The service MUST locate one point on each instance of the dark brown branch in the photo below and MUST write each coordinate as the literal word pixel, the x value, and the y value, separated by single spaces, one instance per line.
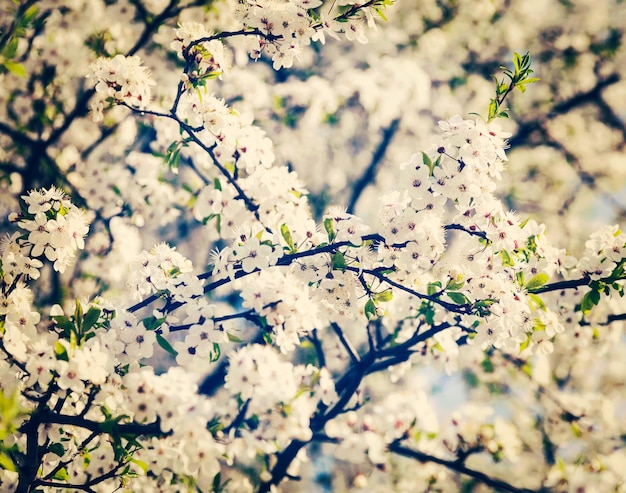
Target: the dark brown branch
pixel 526 129
pixel 459 467
pixel 353 353
pixel 369 175
pixel 560 285
pixel 452 307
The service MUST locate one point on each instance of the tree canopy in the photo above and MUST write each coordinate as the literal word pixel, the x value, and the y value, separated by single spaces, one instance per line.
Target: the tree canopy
pixel 312 245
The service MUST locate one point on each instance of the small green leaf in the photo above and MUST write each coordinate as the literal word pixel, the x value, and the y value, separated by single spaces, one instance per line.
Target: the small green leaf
pixel 384 296
pixel 370 310
pixel 591 299
pixel 6 463
pixel 537 281
pixel 91 317
pixel 338 261
pixel 487 365
pixel 61 352
pixel 16 68
pixel 78 315
pixel 538 302
pixel 61 475
pixel 216 353
pixel 428 162
pixel 65 324
pixel 330 230
pixel 217 480
pixel 524 344
pixel 455 284
pixel 380 14
pixel 458 298
pixel 286 234
pixel 493 109
pixel 152 323
pixel 165 344
pixel 57 449
pixel 233 338
pixel 142 465
pixel 433 288
pixel 507 260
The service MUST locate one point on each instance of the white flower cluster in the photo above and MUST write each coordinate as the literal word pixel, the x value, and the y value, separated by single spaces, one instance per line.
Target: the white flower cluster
pixel 291 314
pixel 248 253
pixel 398 415
pixel 123 80
pixel 287 27
pixel 164 269
pixel 144 192
pixel 283 394
pixel 462 166
pixel 211 58
pixel 604 251
pixel 238 141
pixel 55 229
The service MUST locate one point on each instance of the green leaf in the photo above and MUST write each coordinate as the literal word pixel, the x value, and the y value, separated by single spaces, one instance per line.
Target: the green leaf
pixel 384 296
pixel 380 14
pixel 30 14
pixel 152 323
pixel 493 109
pixel 330 230
pixel 487 365
pixel 370 310
pixel 428 162
pixel 537 281
pixel 507 260
pixel 11 47
pixel 91 317
pixel 591 299
pixel 458 298
pixel 164 343
pixel 217 479
pixel 455 284
pixel 516 61
pixel 142 465
pixel 233 338
pixel 286 234
pixel 216 353
pixel 16 68
pixel 78 314
pixel 57 449
pixel 434 288
pixel 537 301
pixel 6 463
pixel 338 261
pixel 61 475
pixel 65 324
pixel 61 352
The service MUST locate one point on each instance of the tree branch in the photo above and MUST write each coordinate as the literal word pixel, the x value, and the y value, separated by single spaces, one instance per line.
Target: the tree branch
pixel 458 467
pixel 369 175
